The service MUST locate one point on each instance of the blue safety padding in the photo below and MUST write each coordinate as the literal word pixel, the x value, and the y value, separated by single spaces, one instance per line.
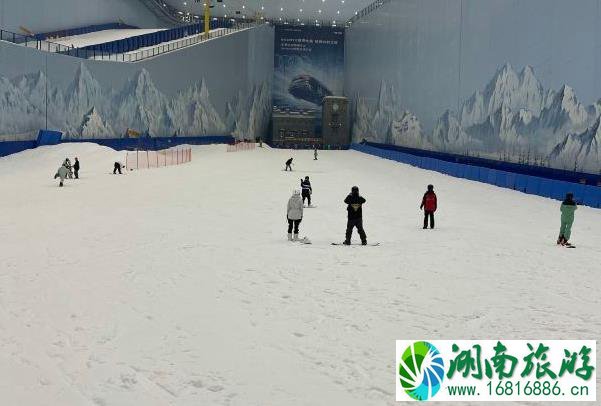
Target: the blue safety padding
pixel 47 137
pixel 483 175
pixel 592 196
pixel 545 188
pixel 492 176
pixel 520 182
pixel 532 185
pixel 579 192
pixel 501 179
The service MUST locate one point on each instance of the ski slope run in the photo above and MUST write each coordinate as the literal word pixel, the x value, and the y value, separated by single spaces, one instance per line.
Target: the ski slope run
pixel 177 286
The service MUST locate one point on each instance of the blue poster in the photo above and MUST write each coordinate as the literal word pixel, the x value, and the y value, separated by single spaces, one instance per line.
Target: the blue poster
pixel 309 65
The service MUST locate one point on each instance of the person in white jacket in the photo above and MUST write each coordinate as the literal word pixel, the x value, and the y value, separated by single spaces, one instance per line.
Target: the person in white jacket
pixel 294 213
pixel 62 173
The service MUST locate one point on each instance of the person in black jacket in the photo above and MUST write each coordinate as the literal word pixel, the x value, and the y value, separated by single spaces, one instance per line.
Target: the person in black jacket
pixel 289 164
pixel 355 216
pixel 76 168
pixel 307 190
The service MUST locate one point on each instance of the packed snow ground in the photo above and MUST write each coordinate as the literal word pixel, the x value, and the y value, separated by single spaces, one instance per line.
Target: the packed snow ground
pixel 100 37
pixel 176 286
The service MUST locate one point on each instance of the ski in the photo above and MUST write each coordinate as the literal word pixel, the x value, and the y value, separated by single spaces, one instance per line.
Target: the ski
pixel 375 244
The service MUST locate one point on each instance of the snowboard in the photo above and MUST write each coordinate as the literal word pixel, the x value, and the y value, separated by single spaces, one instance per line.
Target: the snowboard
pixel 303 240
pixel 375 244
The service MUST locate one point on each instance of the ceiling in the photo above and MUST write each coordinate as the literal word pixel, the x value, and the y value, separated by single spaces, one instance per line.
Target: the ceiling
pixel 301 10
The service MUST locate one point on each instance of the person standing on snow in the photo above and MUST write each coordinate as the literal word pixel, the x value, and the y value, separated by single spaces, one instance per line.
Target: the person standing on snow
pixel 429 204
pixel 289 165
pixel 62 173
pixel 307 190
pixel 117 168
pixel 568 207
pixel 294 214
pixel 76 168
pixel 355 216
pixel 67 164
pixel 315 154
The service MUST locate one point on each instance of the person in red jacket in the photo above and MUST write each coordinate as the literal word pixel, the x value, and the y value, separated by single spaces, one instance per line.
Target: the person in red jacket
pixel 429 205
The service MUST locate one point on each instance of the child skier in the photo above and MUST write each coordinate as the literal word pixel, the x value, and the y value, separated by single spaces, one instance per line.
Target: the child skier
pixel 117 168
pixel 568 207
pixel 289 165
pixel 62 173
pixel 67 164
pixel 355 216
pixel 294 214
pixel 429 204
pixel 76 168
pixel 307 190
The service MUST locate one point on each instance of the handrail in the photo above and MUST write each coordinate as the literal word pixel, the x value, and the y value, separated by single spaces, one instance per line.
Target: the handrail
pixel 130 57
pixel 366 11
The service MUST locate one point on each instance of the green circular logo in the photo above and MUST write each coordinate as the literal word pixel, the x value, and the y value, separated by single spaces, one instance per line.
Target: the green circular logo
pixel 421 370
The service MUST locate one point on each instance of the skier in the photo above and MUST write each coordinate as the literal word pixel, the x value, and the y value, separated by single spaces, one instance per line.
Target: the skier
pixel 355 216
pixel 307 190
pixel 568 207
pixel 76 168
pixel 67 165
pixel 315 154
pixel 294 214
pixel 289 165
pixel 429 204
pixel 62 173
pixel 117 168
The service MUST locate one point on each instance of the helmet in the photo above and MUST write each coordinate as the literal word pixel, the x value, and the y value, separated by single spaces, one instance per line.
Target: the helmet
pixel 355 189
pixel 306 178
pixel 430 187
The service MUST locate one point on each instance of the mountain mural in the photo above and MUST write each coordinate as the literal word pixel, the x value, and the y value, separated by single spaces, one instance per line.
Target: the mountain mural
pixel 86 109
pixel 512 117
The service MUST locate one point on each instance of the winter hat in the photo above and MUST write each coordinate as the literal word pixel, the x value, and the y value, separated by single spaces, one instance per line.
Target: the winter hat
pixel 296 192
pixel 355 189
pixel 430 187
pixel 569 196
pixel 306 178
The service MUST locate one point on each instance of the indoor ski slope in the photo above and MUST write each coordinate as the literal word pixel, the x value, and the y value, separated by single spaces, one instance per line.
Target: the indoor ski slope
pixel 176 286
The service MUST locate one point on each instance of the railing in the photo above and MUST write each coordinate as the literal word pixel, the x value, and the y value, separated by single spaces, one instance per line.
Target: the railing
pixel 83 30
pixel 157 159
pixel 366 11
pixel 120 54
pixel 241 146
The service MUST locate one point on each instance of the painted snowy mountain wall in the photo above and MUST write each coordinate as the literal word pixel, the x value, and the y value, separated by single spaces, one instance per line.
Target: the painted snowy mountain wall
pixel 86 109
pixel 513 116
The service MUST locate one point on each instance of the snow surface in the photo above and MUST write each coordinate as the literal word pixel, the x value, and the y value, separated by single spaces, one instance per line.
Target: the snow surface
pixel 176 286
pixel 100 37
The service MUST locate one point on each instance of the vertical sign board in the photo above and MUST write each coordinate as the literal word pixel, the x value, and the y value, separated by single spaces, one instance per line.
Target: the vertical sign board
pixel 309 65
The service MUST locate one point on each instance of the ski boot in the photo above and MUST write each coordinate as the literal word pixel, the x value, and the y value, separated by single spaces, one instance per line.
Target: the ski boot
pixel 289 236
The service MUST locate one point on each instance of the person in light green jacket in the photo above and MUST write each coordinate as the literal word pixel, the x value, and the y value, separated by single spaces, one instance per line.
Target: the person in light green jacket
pixel 568 207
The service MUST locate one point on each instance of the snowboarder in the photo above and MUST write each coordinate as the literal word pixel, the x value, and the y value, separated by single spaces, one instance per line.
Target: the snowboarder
pixel 67 164
pixel 289 165
pixel 62 173
pixel 117 168
pixel 355 216
pixel 307 190
pixel 76 168
pixel 294 214
pixel 568 207
pixel 429 204
pixel 315 154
